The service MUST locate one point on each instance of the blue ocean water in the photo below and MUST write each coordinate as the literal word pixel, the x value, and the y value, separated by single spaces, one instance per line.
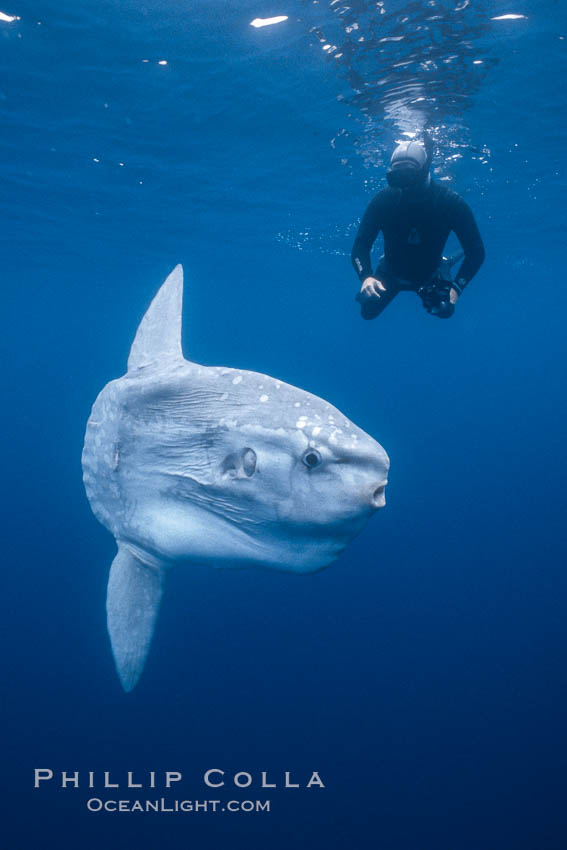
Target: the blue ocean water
pixel 423 675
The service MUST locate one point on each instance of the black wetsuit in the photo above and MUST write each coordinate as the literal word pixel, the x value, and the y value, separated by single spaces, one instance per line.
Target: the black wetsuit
pixel 416 225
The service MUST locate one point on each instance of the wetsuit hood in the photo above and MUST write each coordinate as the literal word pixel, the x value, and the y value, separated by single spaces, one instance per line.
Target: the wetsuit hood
pixel 409 166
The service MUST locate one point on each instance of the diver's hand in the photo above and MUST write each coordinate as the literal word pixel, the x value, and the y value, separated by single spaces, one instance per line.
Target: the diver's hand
pixel 453 295
pixel 372 287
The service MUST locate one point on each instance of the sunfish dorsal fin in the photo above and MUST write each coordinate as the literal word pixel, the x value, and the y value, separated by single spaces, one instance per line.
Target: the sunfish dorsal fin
pixel 158 338
pixel 132 605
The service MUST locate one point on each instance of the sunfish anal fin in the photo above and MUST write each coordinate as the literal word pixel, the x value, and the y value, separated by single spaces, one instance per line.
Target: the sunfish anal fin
pixel 132 605
pixel 158 338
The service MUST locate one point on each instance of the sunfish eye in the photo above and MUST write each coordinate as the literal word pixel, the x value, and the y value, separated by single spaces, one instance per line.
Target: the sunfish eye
pixel 312 458
pixel 249 462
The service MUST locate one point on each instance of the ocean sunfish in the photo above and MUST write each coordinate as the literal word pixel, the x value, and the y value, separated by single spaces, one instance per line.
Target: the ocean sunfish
pixel 185 463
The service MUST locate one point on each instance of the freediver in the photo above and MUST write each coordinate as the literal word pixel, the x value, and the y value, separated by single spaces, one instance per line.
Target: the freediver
pixel 416 216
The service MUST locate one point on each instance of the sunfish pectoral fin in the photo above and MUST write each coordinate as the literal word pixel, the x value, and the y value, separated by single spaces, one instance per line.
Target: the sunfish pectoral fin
pixel 158 338
pixel 132 605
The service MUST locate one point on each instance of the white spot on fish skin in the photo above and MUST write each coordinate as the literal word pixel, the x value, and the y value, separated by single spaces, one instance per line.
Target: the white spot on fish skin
pixel 301 423
pixel 264 397
pixel 297 404
pixel 237 380
pixel 334 436
pixel 316 431
pixel 228 423
pixel 278 386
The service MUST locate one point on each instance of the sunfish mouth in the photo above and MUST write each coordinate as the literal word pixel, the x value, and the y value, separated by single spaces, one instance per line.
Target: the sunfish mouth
pixel 378 499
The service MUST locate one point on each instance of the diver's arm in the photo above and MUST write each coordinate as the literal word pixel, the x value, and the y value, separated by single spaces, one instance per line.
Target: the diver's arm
pixel 468 234
pixel 369 228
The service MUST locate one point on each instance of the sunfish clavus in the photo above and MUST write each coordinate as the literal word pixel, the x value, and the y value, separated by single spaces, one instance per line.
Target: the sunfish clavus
pixel 186 463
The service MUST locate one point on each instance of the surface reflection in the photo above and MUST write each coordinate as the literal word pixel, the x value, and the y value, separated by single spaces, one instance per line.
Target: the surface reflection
pixel 408 66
